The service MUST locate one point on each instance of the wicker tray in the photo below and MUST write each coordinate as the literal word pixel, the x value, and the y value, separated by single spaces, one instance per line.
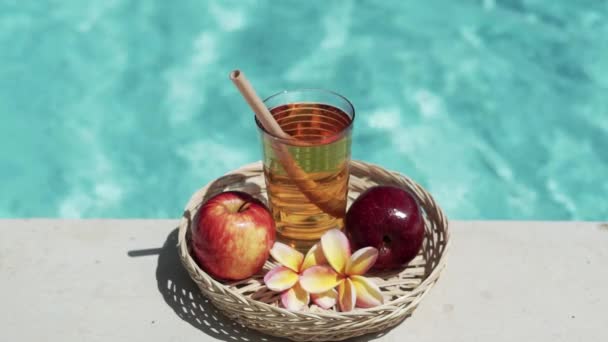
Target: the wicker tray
pixel 250 303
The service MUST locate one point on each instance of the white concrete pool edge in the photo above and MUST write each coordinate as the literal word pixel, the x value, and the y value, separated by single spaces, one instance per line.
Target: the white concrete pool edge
pixel 112 280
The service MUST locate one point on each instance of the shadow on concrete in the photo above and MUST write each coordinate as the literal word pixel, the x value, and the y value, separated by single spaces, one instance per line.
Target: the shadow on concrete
pixel 186 300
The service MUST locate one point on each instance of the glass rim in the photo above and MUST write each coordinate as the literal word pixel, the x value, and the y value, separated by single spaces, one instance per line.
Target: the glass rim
pixel 320 141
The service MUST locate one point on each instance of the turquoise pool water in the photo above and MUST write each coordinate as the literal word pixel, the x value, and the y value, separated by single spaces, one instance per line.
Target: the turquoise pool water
pixel 122 108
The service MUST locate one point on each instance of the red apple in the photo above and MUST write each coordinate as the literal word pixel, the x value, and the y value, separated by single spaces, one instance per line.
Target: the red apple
pixel 233 235
pixel 389 219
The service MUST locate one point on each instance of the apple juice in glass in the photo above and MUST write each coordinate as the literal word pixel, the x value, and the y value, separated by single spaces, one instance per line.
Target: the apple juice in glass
pixel 307 176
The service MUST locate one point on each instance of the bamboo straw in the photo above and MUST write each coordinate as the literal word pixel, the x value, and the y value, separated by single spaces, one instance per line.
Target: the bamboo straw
pixel 258 106
pixel 320 197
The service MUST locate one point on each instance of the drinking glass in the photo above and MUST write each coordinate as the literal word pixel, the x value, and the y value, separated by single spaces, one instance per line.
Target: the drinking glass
pixel 307 176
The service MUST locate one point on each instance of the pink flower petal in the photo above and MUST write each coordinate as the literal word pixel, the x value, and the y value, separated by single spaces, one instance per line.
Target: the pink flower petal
pixel 368 293
pixel 280 278
pixel 318 279
pixel 336 249
pixel 361 261
pixel 295 299
pixel 314 257
pixel 325 300
pixel 346 295
pixel 287 256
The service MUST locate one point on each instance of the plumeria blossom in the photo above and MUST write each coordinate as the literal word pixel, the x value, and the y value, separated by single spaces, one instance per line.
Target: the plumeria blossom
pixel 285 278
pixel 346 272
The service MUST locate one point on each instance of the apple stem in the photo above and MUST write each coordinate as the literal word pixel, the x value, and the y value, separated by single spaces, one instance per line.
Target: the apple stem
pixel 243 206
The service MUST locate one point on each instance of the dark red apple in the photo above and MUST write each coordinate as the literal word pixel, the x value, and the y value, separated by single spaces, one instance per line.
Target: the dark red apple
pixel 388 218
pixel 233 235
